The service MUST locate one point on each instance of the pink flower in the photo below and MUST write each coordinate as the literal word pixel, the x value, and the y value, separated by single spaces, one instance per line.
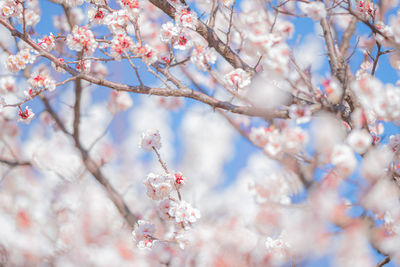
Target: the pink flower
pixel 82 39
pixel 26 115
pixel 42 81
pixel 183 41
pixel 121 44
pixel 148 54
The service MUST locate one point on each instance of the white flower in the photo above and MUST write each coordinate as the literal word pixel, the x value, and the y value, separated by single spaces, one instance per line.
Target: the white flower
pixel 132 6
pixel 179 179
pixel 302 114
pixel 42 81
pixel 82 39
pixel 238 78
pixel 97 15
pixel 119 101
pixel 184 213
pixel 143 234
pixel 186 19
pixel 202 57
pixel 183 41
pixel 117 21
pixel 333 90
pixel 394 142
pixel 158 186
pixel 163 207
pixel 359 140
pixel 315 10
pixel 2 103
pixel 343 158
pixel 144 229
pixel 294 139
pixel 121 44
pixel 150 139
pixel 168 32
pixel 259 136
pixel 148 54
pixel 7 84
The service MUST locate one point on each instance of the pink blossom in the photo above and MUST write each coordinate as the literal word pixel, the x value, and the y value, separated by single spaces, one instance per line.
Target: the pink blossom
pixel 82 39
pixel 26 116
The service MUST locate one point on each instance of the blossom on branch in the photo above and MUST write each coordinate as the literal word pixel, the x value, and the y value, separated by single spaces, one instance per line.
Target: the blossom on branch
pixel 150 139
pixel 26 115
pixel 82 39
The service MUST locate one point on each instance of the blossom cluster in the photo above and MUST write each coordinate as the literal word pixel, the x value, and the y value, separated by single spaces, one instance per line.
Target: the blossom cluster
pixel 275 141
pixel 366 8
pixel 82 39
pixel 40 81
pixel 161 188
pixel 10 8
pixel 120 45
pixel 20 60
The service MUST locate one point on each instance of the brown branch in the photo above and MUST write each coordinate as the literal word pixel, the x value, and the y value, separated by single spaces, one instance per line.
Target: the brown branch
pixel 213 14
pixel 182 92
pixel 92 167
pixel 385 261
pixel 378 54
pixel 211 37
pixel 344 45
pixel 15 163
pixel 77 114
pixel 228 34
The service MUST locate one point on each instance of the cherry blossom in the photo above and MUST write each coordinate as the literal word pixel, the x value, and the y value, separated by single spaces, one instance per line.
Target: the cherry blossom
pixel 158 186
pixel 203 56
pixel 82 39
pixel 272 133
pixel 42 81
pixel 143 234
pixel 25 115
pixel 10 8
pixel 186 18
pixel 184 213
pixel 7 84
pixel 315 10
pixel 238 78
pixel 168 32
pixel 120 45
pixel 343 158
pixel 302 114
pixel 359 140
